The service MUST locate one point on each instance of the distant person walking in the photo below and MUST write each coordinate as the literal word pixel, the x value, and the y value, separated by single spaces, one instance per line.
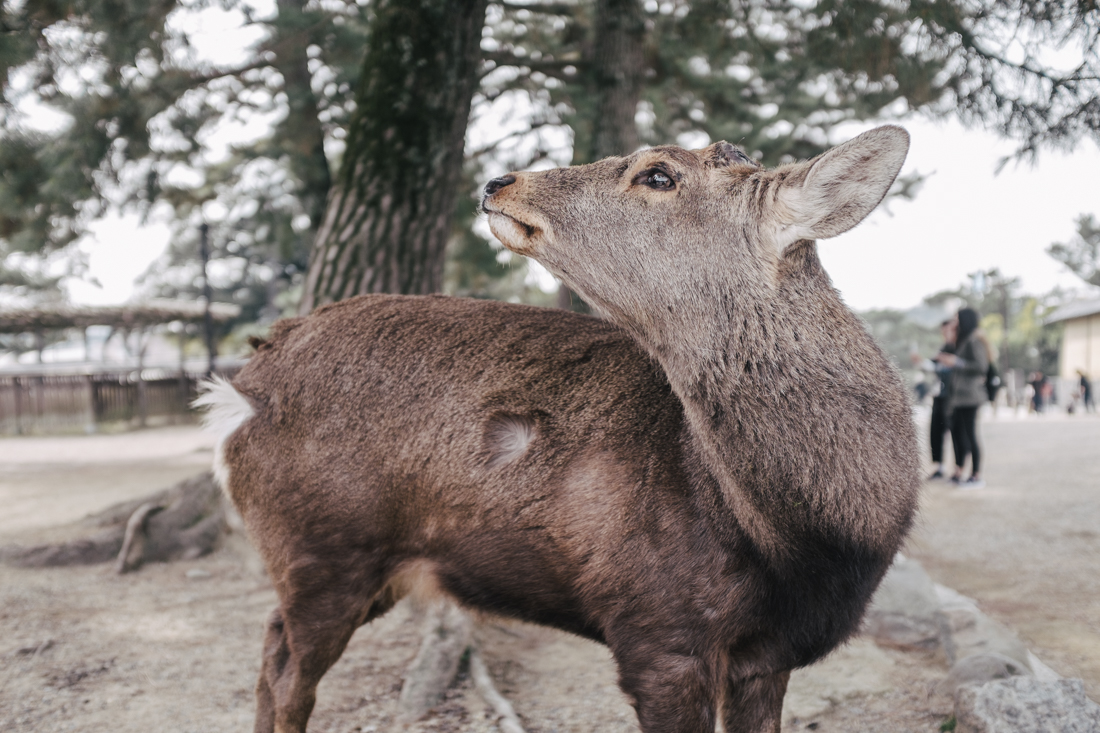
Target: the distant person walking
pixel 969 368
pixel 1038 384
pixel 1085 387
pixel 941 398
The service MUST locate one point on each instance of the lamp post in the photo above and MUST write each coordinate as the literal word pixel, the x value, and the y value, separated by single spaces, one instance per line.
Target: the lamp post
pixel 207 320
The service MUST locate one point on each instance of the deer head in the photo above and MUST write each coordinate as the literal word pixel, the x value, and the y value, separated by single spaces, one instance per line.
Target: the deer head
pixel 655 237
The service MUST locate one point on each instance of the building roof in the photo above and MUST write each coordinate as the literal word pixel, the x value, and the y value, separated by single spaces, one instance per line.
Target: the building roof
pixel 132 315
pixel 1077 309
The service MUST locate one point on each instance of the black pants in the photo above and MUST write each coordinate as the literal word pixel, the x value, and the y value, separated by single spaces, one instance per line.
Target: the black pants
pixel 939 427
pixel 964 437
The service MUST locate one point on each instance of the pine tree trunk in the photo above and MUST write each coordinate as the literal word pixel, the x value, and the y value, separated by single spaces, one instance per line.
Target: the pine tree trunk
pixel 301 130
pixel 617 68
pixel 389 214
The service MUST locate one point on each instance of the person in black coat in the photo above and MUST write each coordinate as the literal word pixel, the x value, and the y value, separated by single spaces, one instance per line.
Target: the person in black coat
pixel 1085 387
pixel 941 399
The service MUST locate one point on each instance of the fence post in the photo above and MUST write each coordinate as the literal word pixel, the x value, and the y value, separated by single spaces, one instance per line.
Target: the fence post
pixel 40 401
pixel 18 393
pixel 97 403
pixel 142 402
pixel 131 395
pixel 93 412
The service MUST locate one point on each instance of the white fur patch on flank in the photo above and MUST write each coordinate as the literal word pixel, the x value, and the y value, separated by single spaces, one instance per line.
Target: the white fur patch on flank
pixel 226 410
pixel 508 436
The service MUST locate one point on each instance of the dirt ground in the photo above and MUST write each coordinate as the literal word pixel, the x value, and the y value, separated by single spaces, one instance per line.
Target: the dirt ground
pixel 176 647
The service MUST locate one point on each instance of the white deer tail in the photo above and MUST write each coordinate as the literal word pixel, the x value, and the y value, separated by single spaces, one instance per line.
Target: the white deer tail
pixel 226 410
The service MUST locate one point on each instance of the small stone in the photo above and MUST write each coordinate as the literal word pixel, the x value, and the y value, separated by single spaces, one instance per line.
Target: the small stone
pixel 198 574
pixel 36 648
pixel 1025 705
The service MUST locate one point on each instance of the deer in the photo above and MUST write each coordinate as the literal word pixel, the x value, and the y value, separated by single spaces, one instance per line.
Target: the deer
pixel 711 479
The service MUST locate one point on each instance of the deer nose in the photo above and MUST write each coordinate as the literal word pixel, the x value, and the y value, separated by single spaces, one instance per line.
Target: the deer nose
pixel 498 183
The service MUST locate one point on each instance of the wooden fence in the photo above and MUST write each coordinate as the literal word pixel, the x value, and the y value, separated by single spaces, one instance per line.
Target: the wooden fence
pixel 51 403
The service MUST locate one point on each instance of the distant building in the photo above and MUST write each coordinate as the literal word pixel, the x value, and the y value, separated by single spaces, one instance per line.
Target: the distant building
pixel 1081 338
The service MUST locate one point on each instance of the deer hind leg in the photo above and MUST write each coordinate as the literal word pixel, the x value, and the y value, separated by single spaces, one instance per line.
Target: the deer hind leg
pixel 296 655
pixel 671 692
pixel 755 704
pixel 305 636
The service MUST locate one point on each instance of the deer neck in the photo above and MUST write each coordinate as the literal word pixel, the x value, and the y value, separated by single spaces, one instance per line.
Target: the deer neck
pixel 796 413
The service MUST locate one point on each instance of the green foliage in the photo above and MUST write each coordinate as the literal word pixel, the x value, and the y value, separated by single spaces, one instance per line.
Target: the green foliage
pixel 1081 255
pixel 134 112
pixel 777 77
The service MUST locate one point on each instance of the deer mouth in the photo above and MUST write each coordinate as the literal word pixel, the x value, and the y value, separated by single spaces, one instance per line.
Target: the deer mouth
pixel 513 233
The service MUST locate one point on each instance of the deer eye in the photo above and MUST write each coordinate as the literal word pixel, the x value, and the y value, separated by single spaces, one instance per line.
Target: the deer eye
pixel 656 179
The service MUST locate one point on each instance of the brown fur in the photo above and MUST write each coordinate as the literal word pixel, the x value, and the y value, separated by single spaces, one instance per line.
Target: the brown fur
pixel 715 496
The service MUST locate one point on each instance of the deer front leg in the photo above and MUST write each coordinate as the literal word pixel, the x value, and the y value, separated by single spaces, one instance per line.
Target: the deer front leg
pixel 755 704
pixel 672 692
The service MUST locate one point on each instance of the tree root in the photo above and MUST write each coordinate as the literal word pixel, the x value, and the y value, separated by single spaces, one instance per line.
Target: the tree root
pixel 446 636
pixel 507 720
pixel 183 522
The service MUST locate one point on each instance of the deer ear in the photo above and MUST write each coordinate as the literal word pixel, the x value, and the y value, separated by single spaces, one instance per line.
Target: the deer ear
pixel 832 193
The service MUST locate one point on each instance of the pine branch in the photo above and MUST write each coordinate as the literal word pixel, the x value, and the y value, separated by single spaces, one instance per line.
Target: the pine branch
pixel 544 8
pixel 554 68
pixel 200 79
pixel 493 146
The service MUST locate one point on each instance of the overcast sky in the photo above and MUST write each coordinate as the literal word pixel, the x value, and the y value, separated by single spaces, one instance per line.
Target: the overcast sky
pixel 966 219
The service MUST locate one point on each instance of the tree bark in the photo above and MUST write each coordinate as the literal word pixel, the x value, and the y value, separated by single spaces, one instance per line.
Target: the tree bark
pixel 617 70
pixel 301 133
pixel 389 214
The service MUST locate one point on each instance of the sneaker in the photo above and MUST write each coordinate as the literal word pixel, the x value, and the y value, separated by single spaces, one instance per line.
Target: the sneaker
pixel 956 480
pixel 972 483
pixel 937 475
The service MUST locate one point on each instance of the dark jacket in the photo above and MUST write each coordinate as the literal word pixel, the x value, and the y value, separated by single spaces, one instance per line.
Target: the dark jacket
pixel 968 376
pixel 943 376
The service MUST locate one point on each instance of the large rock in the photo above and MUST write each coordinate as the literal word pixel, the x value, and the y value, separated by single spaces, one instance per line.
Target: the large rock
pixel 981 668
pixel 970 632
pixel 1025 705
pixel 855 669
pixel 905 611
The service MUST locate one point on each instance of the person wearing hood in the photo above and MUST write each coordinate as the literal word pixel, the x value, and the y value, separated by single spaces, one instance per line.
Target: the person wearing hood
pixel 969 367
